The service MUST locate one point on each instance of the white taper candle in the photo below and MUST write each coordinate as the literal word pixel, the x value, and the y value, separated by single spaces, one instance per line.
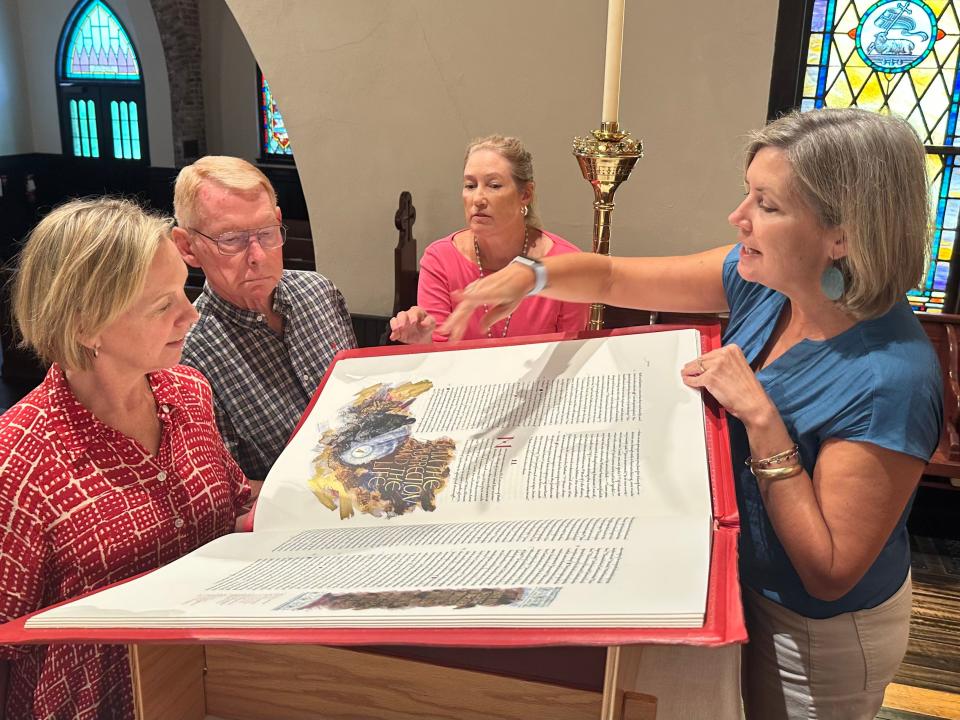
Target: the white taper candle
pixel 611 70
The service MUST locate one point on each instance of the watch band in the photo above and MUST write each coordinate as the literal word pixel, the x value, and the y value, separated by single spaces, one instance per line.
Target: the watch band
pixel 539 273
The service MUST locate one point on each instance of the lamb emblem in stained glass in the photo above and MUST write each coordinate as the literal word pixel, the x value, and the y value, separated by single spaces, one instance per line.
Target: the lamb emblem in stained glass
pixel 896 35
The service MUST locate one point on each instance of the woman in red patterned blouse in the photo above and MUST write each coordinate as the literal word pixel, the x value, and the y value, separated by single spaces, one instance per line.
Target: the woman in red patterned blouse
pixel 113 465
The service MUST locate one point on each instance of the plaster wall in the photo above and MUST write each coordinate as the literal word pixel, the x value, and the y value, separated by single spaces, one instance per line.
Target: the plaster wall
pixel 382 96
pixel 16 137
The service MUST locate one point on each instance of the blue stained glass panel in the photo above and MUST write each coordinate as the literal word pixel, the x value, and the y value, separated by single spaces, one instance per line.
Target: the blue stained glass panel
pixel 940 276
pixel 75 127
pixel 819 13
pixel 115 125
pixel 275 140
pixel 84 132
pixel 125 130
pixel 952 212
pixel 125 122
pixel 134 130
pixel 99 47
pixel 92 119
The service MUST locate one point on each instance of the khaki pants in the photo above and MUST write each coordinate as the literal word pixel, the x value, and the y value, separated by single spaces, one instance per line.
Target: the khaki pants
pixel 835 669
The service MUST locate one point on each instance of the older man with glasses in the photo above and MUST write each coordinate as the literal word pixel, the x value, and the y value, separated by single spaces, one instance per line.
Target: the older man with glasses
pixel 265 335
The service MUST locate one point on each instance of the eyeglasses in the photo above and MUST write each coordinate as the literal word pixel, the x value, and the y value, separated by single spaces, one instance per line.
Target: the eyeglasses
pixel 237 241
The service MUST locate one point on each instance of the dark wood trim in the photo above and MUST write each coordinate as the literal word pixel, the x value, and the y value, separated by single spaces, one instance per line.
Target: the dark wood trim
pixel 789 56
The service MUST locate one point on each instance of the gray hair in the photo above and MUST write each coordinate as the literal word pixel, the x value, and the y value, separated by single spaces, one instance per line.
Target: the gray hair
pixel 867 173
pixel 521 167
pixel 234 174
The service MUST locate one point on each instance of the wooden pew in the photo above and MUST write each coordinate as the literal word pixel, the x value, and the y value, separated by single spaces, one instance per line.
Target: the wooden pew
pixel 298 249
pixel 944 332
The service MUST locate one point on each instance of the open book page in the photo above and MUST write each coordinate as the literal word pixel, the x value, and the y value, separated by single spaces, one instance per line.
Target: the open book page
pixel 556 429
pixel 595 572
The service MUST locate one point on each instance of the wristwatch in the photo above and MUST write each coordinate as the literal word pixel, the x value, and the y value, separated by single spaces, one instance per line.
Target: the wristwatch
pixel 539 273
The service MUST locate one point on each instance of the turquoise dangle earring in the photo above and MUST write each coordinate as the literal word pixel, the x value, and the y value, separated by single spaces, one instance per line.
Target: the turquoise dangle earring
pixel 832 282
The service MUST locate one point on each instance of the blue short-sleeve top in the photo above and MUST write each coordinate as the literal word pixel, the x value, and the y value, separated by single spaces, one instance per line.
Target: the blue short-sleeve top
pixel 877 382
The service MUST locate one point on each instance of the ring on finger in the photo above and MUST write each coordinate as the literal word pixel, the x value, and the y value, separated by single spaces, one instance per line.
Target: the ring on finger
pixel 700 364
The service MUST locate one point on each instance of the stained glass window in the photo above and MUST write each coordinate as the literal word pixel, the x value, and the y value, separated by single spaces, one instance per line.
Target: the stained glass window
pixel 100 87
pixel 899 57
pixel 274 138
pixel 83 123
pixel 99 47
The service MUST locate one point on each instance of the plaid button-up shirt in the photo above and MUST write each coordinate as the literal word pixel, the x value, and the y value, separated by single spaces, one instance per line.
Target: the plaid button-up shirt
pixel 262 381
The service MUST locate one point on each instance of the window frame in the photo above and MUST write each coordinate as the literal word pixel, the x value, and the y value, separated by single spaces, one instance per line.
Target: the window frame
pixel 102 91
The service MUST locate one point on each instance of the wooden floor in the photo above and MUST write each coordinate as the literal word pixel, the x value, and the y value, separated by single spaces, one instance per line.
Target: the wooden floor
pixel 904 702
pixel 928 684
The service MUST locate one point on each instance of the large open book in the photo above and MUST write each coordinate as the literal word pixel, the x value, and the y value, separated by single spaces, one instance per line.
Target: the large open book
pixel 550 485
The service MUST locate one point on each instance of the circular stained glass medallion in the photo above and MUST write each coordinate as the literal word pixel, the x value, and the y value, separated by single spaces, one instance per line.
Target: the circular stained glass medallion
pixel 896 35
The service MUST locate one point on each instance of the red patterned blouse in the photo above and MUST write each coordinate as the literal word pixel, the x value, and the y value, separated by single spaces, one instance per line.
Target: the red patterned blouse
pixel 82 506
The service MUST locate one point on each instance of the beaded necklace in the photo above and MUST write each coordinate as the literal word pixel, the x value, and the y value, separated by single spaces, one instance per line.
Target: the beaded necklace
pixel 486 309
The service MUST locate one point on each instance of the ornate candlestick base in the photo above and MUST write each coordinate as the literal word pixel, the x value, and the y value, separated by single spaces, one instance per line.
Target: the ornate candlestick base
pixel 606 160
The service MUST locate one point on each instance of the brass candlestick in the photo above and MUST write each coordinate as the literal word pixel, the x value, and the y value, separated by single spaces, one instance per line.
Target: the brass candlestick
pixel 606 160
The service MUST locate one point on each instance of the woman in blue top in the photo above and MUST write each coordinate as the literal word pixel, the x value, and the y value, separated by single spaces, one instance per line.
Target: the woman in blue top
pixel 834 390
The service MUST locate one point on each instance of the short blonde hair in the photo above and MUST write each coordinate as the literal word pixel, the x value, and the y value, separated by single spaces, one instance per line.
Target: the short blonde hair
pixel 867 173
pixel 229 172
pixel 81 267
pixel 521 167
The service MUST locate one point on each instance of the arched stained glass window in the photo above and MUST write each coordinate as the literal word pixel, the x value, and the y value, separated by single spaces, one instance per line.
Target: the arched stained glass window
pixel 99 47
pixel 274 141
pixel 100 87
pixel 899 57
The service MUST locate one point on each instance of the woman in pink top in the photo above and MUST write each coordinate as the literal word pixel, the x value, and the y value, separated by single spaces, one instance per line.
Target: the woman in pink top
pixel 502 223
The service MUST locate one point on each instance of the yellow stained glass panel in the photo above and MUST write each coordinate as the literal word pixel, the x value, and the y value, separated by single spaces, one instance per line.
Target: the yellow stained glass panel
pixel 922 78
pixel 938 6
pixel 849 17
pixel 947 21
pixel 946 247
pixel 814 50
pixel 857 76
pixel 871 97
pixel 810 82
pixel 839 95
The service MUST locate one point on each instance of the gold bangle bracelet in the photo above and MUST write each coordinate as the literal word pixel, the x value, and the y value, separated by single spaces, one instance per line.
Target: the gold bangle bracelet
pixel 791 454
pixel 779 473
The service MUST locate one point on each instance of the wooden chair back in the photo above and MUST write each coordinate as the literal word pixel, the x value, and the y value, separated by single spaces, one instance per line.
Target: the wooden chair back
pixel 405 273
